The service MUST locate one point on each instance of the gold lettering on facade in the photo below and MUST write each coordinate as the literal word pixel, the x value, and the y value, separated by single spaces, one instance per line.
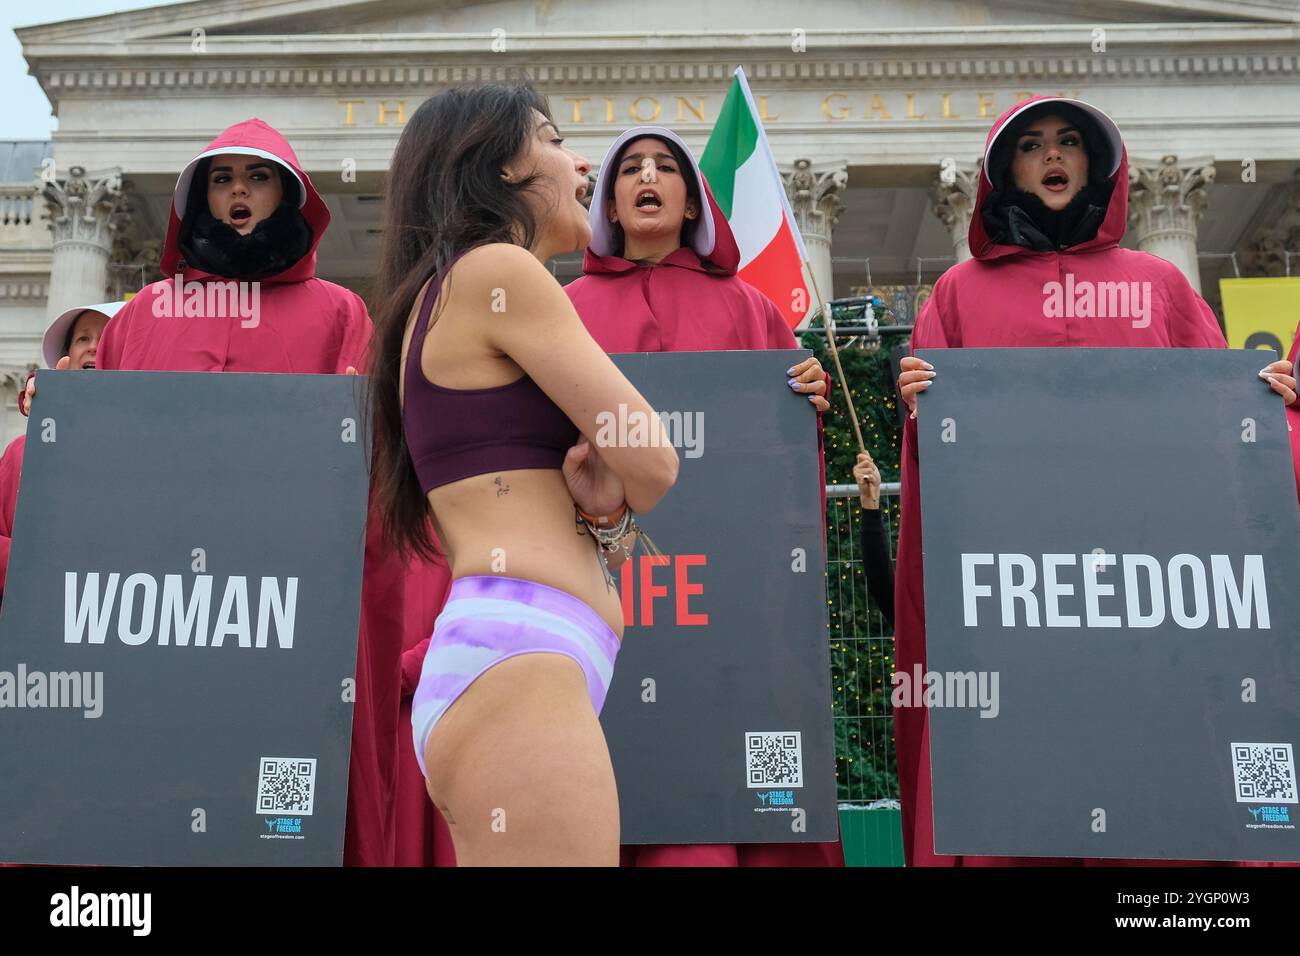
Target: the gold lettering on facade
pixel 636 109
pixel 386 111
pixel 347 117
pixel 842 111
pixel 684 104
pixel 644 108
pixel 577 102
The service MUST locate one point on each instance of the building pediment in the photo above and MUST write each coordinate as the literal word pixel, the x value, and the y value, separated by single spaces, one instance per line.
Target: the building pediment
pixel 299 18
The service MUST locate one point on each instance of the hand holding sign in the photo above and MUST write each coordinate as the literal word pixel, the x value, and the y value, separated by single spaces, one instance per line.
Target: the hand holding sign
pixel 915 378
pixel 29 392
pixel 1279 378
pixel 809 378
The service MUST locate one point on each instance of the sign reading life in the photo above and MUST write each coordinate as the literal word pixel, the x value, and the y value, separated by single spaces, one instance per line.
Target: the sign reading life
pixel 719 717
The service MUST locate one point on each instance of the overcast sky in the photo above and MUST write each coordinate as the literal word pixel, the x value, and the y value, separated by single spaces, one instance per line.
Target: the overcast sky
pixel 27 113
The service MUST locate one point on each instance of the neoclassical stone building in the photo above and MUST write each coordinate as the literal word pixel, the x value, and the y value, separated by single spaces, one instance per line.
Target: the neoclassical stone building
pixel 877 114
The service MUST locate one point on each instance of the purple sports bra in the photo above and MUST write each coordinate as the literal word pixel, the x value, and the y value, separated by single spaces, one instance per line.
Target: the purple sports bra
pixel 455 433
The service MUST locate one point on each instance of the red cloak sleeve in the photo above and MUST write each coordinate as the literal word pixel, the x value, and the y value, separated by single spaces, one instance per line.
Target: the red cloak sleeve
pixel 11 469
pixel 1293 414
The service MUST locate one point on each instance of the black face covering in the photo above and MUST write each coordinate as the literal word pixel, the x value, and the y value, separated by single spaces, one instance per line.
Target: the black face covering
pixel 275 244
pixel 1017 218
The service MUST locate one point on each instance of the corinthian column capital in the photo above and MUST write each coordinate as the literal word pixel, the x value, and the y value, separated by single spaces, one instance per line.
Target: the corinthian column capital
pixel 1168 196
pixel 952 199
pixel 815 194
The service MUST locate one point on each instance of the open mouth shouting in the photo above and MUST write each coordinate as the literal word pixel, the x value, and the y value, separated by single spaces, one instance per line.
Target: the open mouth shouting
pixel 1056 180
pixel 240 215
pixel 649 199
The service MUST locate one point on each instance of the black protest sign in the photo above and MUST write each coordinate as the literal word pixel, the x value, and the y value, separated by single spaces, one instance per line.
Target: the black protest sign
pixel 179 628
pixel 719 715
pixel 1112 554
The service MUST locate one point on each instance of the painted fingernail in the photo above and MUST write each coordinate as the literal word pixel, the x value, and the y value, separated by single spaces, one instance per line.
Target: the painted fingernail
pixel 1263 373
pixel 928 366
pixel 813 399
pixel 794 384
pixel 790 370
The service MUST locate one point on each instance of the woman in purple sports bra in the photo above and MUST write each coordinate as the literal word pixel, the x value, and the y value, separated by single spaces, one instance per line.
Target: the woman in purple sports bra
pixel 485 392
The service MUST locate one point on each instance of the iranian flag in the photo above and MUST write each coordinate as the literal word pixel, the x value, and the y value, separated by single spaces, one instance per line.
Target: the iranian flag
pixel 740 169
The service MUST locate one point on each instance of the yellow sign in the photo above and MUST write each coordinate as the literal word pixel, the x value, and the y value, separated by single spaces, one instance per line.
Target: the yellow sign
pixel 1261 313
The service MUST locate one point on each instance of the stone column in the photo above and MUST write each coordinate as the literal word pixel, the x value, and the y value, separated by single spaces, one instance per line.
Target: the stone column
pixel 85 213
pixel 952 199
pixel 1165 202
pixel 814 190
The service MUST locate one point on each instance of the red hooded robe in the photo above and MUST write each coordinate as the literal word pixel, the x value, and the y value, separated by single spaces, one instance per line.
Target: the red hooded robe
pixel 306 325
pixel 682 306
pixel 1293 413
pixel 423 838
pixel 11 469
pixel 995 300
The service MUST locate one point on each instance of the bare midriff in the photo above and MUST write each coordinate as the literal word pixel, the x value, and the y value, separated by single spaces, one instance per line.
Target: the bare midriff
pixel 520 524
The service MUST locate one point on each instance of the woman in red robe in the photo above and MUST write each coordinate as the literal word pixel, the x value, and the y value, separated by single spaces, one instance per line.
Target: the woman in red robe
pixel 244 210
pixel 71 341
pixel 1052 200
pixel 660 276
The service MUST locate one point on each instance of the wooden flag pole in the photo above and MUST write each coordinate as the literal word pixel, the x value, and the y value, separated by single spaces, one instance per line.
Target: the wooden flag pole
pixel 829 321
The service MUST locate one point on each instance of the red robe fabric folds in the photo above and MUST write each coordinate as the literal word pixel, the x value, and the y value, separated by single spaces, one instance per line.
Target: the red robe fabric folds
pixel 1293 414
pixel 11 469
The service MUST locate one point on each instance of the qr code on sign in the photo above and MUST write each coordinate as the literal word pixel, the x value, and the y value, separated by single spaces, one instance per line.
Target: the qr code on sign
pixel 1264 773
pixel 286 785
pixel 774 759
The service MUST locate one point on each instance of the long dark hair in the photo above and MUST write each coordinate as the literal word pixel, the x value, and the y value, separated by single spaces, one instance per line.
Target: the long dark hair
pixel 445 194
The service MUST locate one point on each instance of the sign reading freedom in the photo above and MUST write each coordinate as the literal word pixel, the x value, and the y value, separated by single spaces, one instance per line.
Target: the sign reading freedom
pixel 178 641
pixel 719 715
pixel 1112 548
